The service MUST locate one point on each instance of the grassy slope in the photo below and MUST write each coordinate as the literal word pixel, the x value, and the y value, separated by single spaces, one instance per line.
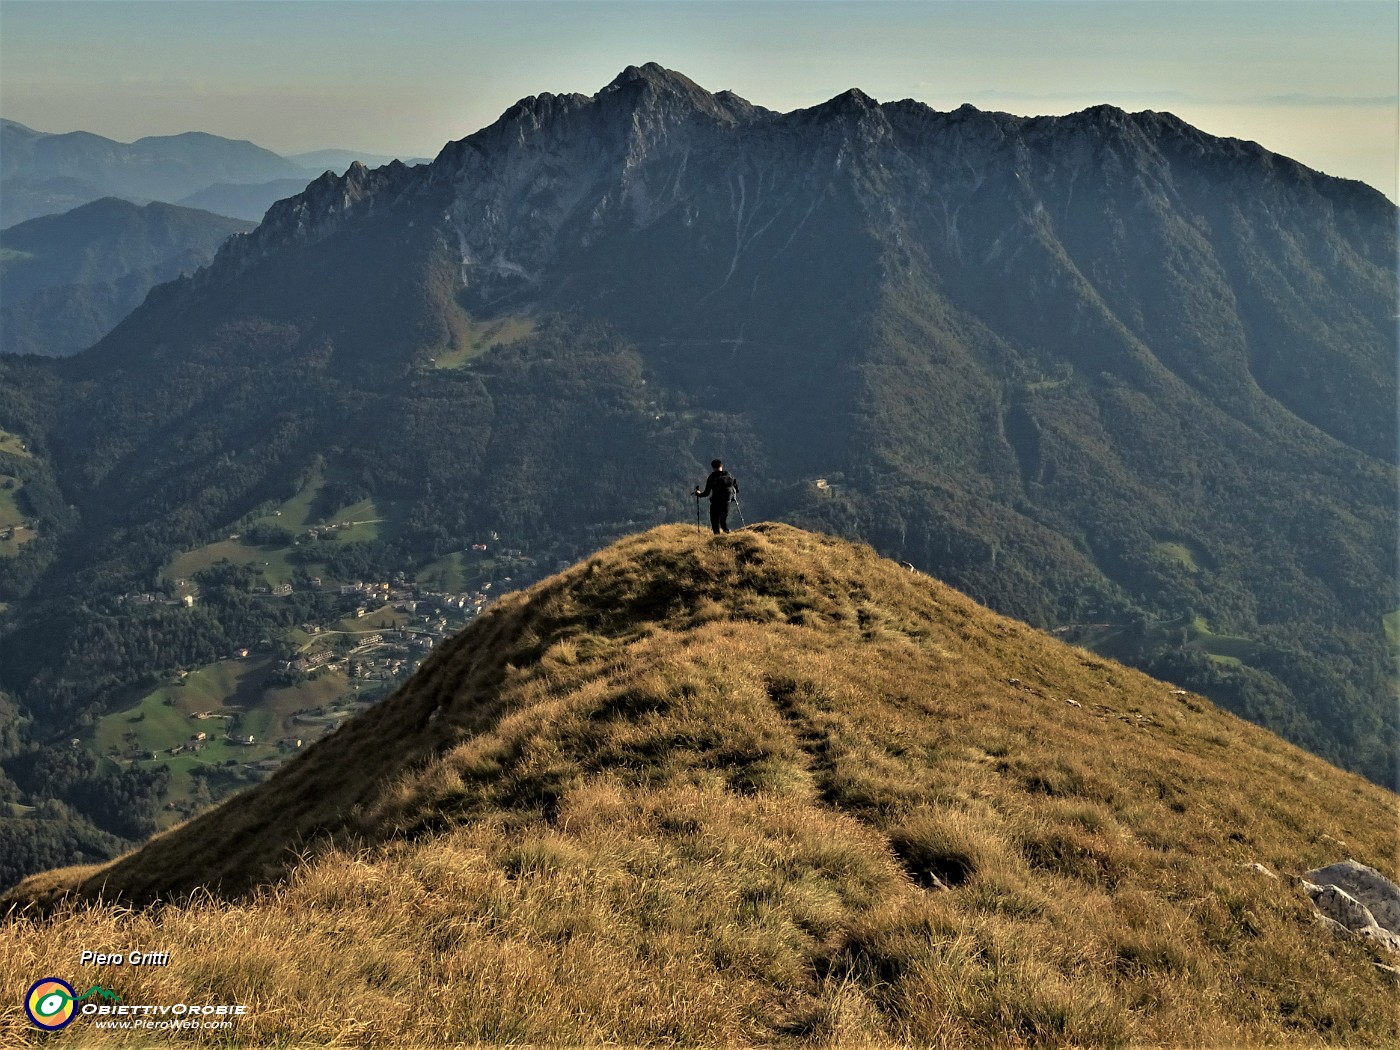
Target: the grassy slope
pixel 695 791
pixel 459 571
pixel 272 563
pixel 358 523
pixel 11 516
pixel 13 445
pixel 297 513
pixel 165 718
pixel 479 338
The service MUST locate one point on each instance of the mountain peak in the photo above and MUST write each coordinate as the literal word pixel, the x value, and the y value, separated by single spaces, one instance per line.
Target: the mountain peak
pixel 853 98
pixel 851 104
pixel 655 85
pixel 654 74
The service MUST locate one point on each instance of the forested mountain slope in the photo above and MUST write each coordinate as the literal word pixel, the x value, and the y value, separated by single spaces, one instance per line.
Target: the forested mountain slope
pixel 66 280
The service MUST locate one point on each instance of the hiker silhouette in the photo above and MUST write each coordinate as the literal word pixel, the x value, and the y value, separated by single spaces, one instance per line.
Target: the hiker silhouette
pixel 721 487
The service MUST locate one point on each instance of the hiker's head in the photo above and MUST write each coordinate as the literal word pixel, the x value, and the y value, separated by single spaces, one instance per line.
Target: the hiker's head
pixel 716 464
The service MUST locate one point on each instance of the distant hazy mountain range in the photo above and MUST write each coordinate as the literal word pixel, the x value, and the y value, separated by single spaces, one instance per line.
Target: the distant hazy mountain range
pixel 251 200
pixel 339 160
pixel 41 173
pixel 113 251
pixel 1107 373
pixel 248 201
pixel 244 200
pixel 66 280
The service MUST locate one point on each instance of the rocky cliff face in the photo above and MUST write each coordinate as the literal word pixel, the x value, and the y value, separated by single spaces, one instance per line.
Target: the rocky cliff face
pixel 324 207
pixel 556 172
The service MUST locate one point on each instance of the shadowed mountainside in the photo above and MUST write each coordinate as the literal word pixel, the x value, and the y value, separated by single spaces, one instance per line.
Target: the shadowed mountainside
pixel 66 280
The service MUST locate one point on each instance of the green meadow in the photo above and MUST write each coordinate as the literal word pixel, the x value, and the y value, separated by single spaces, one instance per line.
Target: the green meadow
pixel 364 523
pixel 445 574
pixel 385 617
pixel 1184 554
pixel 9 548
pixel 299 512
pixel 1231 649
pixel 242 701
pixel 273 564
pixel 13 444
pixel 11 515
pixel 361 520
pixel 479 338
pixel 296 512
pixel 459 571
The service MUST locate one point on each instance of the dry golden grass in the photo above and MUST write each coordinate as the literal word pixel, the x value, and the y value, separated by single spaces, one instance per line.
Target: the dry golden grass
pixel 766 789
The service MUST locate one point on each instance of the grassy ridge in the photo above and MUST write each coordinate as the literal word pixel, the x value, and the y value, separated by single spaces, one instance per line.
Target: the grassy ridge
pixel 766 788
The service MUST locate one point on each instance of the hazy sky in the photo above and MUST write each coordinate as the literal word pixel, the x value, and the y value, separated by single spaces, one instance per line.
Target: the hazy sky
pixel 1316 81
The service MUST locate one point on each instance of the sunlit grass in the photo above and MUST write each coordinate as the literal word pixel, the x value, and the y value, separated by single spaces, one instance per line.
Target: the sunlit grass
pixel 760 790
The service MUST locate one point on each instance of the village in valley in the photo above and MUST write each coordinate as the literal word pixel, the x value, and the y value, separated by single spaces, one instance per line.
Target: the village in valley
pixel 313 640
pixel 226 724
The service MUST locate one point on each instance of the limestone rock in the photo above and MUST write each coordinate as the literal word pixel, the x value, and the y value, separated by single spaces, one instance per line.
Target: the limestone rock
pixel 1380 896
pixel 1359 899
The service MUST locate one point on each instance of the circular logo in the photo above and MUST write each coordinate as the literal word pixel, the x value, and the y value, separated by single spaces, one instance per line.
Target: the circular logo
pixel 49 1003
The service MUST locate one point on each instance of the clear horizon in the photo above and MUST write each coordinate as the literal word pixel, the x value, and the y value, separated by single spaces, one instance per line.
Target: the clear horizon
pixel 1313 81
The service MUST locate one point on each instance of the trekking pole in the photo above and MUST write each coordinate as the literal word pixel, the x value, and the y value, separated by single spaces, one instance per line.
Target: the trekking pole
pixel 740 507
pixel 697 515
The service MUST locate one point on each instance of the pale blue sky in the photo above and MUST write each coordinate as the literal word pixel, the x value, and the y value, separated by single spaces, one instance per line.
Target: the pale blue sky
pixel 1315 81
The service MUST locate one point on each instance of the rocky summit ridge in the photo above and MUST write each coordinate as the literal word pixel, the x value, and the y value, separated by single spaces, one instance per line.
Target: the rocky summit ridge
pixel 554 170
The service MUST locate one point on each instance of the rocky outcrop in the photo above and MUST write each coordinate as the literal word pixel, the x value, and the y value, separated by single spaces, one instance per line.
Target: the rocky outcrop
pixel 323 207
pixel 1355 899
pixel 555 172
